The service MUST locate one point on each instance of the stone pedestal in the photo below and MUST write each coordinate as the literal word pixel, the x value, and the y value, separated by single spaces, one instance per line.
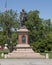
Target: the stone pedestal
pixel 24 50
pixel 23 36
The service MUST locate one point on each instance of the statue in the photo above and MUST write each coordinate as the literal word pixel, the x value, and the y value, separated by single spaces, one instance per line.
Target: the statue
pixel 23 17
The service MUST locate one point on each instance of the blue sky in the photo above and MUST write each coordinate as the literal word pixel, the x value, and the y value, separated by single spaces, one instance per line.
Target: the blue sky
pixel 44 6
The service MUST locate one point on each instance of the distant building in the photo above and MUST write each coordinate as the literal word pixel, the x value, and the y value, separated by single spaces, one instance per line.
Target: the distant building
pixel 12 29
pixel 1 29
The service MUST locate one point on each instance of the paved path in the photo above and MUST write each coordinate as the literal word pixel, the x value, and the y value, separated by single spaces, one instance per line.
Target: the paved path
pixel 25 61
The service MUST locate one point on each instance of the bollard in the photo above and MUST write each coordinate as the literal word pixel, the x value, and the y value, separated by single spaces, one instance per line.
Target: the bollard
pixel 47 57
pixel 2 55
pixel 5 56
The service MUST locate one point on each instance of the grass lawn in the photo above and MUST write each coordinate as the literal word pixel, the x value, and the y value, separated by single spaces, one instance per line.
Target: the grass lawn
pixel 3 51
pixel 50 54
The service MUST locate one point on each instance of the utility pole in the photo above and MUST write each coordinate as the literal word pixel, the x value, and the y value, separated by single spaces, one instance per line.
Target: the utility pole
pixel 5 5
pixel 5 11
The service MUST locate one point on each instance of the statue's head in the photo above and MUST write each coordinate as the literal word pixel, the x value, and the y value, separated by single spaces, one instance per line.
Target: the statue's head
pixel 23 10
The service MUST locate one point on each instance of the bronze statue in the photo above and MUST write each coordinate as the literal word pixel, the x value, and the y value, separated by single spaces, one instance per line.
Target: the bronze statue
pixel 23 17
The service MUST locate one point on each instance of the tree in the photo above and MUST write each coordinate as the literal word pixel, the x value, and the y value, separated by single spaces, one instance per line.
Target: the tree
pixel 8 20
pixel 40 35
pixel 39 30
pixel 34 24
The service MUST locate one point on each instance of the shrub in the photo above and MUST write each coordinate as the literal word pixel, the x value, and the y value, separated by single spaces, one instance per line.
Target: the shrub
pixel 4 51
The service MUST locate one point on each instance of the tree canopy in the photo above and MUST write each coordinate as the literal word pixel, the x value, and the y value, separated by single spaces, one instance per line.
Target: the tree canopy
pixel 40 35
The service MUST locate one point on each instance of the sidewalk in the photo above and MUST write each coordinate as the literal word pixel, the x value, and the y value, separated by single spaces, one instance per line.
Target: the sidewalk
pixel 25 61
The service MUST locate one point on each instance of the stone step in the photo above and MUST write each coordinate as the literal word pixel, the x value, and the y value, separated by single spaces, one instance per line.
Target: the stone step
pixel 28 51
pixel 25 55
pixel 24 49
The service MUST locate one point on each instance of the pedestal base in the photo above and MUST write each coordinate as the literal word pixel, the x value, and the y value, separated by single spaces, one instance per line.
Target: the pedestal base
pixel 24 51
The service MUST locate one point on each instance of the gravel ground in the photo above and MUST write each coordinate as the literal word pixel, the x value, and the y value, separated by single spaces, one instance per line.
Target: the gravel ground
pixel 25 61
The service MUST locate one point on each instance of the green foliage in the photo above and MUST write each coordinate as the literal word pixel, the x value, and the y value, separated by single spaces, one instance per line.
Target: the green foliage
pixel 34 24
pixel 50 55
pixel 1 38
pixel 4 51
pixel 42 46
pixel 9 20
pixel 14 38
pixel 40 35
